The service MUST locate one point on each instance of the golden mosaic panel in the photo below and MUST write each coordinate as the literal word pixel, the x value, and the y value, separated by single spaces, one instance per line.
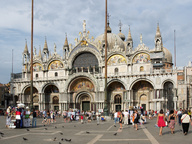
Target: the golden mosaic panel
pixel 141 58
pixel 116 59
pixel 37 67
pixel 82 84
pixel 55 65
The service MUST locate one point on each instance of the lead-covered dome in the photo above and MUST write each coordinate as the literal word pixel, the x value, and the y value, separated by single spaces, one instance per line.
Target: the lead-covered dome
pixel 168 55
pixel 112 40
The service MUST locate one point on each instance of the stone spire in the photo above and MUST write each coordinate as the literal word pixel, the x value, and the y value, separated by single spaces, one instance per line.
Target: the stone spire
pixel 45 45
pixel 66 42
pixel 40 51
pixel 129 38
pixel 158 40
pixel 26 48
pixel 158 33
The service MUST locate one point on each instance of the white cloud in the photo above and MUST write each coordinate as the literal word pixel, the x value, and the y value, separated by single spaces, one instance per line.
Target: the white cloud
pixel 55 18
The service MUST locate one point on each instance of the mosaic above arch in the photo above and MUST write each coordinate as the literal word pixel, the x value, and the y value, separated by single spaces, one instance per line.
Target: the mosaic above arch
pixel 141 58
pixel 116 86
pixel 37 67
pixel 81 83
pixel 116 59
pixel 55 65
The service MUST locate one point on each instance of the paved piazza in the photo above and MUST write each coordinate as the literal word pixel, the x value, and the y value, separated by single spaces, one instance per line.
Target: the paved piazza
pixel 98 134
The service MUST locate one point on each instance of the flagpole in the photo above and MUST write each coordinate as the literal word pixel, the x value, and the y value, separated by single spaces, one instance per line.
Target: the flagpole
pixel 31 89
pixel 106 102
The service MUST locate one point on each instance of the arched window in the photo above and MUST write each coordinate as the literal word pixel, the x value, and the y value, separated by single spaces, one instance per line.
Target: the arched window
pixel 56 74
pixel 55 100
pixel 141 68
pixel 116 71
pixel 36 75
pixel 117 99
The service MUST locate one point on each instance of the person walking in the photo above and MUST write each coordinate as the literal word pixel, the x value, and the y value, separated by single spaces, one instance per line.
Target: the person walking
pixel 120 119
pixel 161 121
pixel 48 118
pixel 172 121
pixel 136 119
pixel 98 115
pixel 126 114
pixel 34 120
pixel 44 116
pixel 115 118
pixel 185 119
pixel 179 115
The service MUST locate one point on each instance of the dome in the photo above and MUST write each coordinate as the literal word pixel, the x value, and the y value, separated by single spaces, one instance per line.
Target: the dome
pixel 111 39
pixel 121 35
pixel 168 55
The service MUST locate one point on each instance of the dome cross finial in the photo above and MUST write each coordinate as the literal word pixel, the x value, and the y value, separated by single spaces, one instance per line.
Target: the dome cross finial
pixel 120 25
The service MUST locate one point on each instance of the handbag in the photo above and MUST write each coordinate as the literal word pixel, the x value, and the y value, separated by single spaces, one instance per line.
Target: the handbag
pixel 183 118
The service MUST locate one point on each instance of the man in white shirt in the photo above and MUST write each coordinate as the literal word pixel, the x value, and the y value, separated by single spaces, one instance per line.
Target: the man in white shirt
pixel 126 114
pixel 115 117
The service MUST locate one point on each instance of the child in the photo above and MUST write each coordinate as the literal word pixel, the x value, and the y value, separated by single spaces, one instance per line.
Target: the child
pixel 81 119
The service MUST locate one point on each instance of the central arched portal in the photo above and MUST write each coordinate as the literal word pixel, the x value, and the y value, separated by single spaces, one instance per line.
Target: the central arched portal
pixel 115 96
pixel 82 93
pixel 142 94
pixel 84 101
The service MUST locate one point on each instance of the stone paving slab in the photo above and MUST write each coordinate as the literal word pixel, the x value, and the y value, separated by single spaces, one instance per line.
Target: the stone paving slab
pixel 91 133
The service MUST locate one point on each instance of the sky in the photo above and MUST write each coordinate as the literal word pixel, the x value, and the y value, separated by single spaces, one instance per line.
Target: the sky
pixel 54 19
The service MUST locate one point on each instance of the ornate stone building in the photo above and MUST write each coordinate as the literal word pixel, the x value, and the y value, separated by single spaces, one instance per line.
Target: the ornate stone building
pixel 136 76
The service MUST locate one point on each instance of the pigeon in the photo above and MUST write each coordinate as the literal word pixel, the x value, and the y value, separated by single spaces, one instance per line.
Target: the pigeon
pixel 97 124
pixel 62 139
pixel 87 132
pixel 27 129
pixel 61 133
pixel 62 126
pixel 45 128
pixel 59 142
pixel 74 125
pixel 25 139
pixel 1 133
pixel 55 127
pixel 68 140
pixel 114 125
pixel 54 138
pixel 115 134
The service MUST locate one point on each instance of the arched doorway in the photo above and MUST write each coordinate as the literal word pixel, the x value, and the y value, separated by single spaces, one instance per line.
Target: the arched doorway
pixel 117 102
pixel 50 92
pixel 144 101
pixel 169 94
pixel 27 97
pixel 55 101
pixel 142 93
pixel 115 96
pixel 84 101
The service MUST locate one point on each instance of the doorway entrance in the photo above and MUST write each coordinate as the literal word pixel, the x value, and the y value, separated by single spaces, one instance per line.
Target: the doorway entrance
pixel 144 106
pixel 86 105
pixel 118 108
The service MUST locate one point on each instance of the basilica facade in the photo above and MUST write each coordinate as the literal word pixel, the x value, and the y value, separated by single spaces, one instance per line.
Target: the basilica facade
pixel 137 76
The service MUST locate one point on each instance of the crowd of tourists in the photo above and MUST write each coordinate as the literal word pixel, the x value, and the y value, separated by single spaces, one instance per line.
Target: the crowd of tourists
pixel 172 117
pixel 19 117
pixel 169 119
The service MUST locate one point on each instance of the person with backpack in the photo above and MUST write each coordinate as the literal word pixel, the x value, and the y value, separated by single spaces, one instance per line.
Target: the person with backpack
pixel 136 119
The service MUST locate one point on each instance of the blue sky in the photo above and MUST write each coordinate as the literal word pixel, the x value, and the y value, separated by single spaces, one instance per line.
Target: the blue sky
pixel 55 18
